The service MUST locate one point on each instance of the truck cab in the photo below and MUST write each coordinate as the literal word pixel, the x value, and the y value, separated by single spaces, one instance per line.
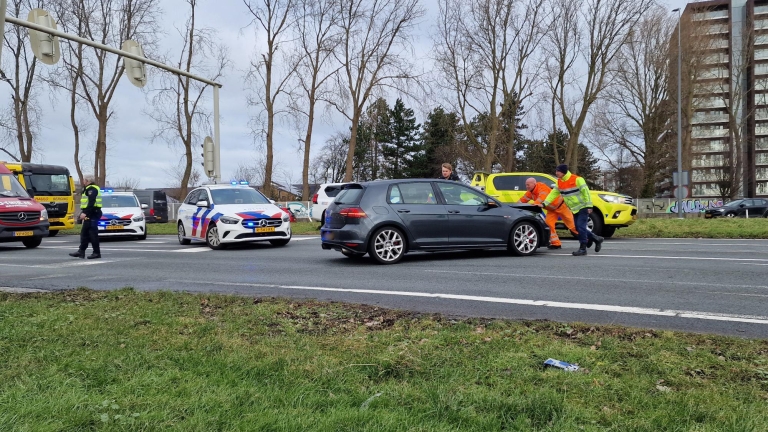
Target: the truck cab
pixel 22 219
pixel 610 210
pixel 51 186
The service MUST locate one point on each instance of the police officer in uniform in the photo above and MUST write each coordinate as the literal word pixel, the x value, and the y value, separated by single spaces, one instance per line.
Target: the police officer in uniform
pixel 90 213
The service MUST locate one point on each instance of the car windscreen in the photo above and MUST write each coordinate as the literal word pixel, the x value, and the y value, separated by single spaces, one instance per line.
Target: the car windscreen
pixel 237 196
pixel 48 184
pixel 108 201
pixel 10 187
pixel 350 195
pixel 734 203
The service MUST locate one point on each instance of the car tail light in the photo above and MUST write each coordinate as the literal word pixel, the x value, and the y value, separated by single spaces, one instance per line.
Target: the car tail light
pixel 314 199
pixel 151 212
pixel 353 213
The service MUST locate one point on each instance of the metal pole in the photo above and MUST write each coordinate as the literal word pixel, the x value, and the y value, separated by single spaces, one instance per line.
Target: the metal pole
pixel 216 136
pixel 3 7
pixel 679 121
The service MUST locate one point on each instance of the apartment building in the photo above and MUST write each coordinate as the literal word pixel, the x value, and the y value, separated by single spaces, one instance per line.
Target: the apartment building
pixel 731 77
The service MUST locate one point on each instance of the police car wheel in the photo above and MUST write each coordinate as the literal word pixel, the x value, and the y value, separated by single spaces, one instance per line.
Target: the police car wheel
pixel 212 238
pixel 182 234
pixel 280 242
pixel 524 239
pixel 142 237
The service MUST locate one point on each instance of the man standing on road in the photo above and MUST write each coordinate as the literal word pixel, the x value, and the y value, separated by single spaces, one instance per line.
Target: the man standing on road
pixel 90 213
pixel 538 193
pixel 576 195
pixel 448 174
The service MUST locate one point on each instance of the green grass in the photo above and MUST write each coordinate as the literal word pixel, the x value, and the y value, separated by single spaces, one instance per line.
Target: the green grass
pixel 135 361
pixel 298 228
pixel 698 227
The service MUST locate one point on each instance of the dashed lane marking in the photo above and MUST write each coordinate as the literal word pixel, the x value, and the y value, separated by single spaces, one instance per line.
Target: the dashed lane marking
pixel 751 319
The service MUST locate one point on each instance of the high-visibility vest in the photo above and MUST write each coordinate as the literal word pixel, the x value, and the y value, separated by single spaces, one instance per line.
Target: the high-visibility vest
pixel 84 197
pixel 539 195
pixel 574 191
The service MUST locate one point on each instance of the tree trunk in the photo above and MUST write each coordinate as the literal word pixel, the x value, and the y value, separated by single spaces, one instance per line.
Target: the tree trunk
pixel 100 160
pixel 351 149
pixel 307 142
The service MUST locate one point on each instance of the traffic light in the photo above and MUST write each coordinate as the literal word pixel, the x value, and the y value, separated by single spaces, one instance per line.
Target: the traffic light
pixel 44 46
pixel 136 70
pixel 208 157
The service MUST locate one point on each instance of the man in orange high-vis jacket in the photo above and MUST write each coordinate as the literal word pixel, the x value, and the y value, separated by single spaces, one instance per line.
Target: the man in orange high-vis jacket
pixel 537 193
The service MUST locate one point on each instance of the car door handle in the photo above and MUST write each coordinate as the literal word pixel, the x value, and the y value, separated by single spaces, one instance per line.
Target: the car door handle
pixel 454 211
pixel 403 211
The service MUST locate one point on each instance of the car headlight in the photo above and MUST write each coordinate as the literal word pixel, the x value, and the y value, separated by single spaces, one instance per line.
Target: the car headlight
pixel 229 220
pixel 138 218
pixel 286 217
pixel 612 199
pixel 44 215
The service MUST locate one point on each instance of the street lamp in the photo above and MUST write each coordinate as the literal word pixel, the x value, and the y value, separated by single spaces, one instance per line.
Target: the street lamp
pixel 679 121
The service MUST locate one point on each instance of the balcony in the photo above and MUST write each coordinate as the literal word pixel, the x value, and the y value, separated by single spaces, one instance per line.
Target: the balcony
pixel 759 10
pixel 707 175
pixel 761 24
pixel 762 188
pixel 761 159
pixel 705 119
pixel 761 144
pixel 718 58
pixel 761 115
pixel 761 174
pixel 708 161
pixel 711 133
pixel 708 189
pixel 723 28
pixel 761 100
pixel 761 130
pixel 715 73
pixel 712 15
pixel 714 146
pixel 702 103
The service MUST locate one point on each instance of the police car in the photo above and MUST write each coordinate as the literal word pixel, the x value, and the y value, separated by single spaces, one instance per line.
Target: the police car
pixel 231 213
pixel 122 215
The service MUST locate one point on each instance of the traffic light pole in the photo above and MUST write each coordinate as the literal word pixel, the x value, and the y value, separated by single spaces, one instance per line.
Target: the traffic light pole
pixel 215 85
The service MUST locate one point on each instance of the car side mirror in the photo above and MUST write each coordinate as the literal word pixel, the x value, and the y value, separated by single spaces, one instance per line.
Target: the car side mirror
pixel 144 206
pixel 272 201
pixel 202 203
pixel 741 206
pixel 492 204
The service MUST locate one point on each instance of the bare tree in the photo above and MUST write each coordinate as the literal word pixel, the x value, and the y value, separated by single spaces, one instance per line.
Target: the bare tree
pixel 128 183
pixel 374 53
pixel 178 104
pixel 274 20
pixel 176 173
pixel 109 22
pixel 594 32
pixel 317 38
pixel 253 173
pixel 486 53
pixel 22 118
pixel 632 118
pixel 330 165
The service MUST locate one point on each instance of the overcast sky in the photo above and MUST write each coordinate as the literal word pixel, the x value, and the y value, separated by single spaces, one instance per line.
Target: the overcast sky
pixel 131 153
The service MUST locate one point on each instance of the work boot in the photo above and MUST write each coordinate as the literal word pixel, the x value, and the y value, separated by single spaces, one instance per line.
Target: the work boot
pixel 598 243
pixel 94 256
pixel 582 250
pixel 78 254
pixel 553 247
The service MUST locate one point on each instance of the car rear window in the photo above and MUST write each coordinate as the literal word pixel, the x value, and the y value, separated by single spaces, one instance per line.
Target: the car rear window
pixel 332 191
pixel 350 195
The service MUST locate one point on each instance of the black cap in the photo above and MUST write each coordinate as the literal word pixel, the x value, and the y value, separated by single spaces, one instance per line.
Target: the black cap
pixel 563 168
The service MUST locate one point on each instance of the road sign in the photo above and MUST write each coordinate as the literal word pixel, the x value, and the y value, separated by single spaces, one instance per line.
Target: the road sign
pixel 44 46
pixel 680 192
pixel 676 179
pixel 136 70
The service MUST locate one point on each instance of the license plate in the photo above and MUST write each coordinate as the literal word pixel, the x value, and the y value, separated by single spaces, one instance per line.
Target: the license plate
pixel 114 227
pixel 327 235
pixel 707 216
pixel 23 234
pixel 264 230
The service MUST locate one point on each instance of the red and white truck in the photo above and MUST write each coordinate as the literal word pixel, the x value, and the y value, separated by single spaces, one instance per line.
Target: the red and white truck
pixel 21 217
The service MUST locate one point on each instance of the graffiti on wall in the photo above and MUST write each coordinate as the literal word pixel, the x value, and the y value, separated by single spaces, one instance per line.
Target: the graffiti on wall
pixel 695 205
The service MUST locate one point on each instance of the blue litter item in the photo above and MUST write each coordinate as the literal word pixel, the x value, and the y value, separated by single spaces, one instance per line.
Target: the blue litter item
pixel 568 367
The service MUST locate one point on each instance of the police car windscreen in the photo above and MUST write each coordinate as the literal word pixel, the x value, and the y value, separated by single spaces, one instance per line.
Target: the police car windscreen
pixel 118 201
pixel 237 196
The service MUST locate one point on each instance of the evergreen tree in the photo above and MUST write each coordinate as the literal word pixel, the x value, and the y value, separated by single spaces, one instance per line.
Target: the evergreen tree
pixel 373 131
pixel 402 145
pixel 438 145
pixel 539 156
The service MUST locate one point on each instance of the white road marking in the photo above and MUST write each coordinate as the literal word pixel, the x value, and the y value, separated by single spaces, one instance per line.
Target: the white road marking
pixel 542 303
pixel 72 263
pixel 738 294
pixel 304 238
pixel 49 276
pixel 57 241
pixel 124 249
pixel 671 257
pixel 21 290
pixel 753 264
pixel 656 282
pixel 199 249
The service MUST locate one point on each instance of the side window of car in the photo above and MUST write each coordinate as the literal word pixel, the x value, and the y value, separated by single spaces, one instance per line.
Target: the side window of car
pixel 456 194
pixel 413 193
pixel 549 182
pixel 192 197
pixel 509 183
pixel 203 196
pixel 395 197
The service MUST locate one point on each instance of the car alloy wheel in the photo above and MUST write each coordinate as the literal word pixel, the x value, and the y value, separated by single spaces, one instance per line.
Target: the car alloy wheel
pixel 730 215
pixel 182 234
pixel 388 246
pixel 212 238
pixel 525 239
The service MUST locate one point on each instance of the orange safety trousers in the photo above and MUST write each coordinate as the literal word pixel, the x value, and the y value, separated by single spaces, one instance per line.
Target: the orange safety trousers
pixel 564 213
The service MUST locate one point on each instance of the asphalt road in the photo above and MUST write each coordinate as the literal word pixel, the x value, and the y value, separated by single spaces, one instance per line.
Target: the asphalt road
pixel 704 285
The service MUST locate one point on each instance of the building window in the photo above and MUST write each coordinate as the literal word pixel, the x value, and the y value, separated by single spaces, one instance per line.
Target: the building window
pixel 761 174
pixel 761 9
pixel 707 175
pixel 706 189
pixel 710 146
pixel 709 160
pixel 761 159
pixel 701 16
pixel 762 188
pixel 716 72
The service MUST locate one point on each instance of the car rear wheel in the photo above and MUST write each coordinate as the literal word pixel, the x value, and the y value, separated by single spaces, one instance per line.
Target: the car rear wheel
pixel 730 215
pixel 387 245
pixel 52 233
pixel 524 239
pixel 183 234
pixel 212 238
pixel 33 242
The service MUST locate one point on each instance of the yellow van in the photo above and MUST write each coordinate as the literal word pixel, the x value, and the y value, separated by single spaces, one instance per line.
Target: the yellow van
pixel 610 211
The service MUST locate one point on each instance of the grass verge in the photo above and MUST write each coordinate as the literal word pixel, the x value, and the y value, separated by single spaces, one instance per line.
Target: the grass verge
pixel 298 228
pixel 126 360
pixel 699 227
